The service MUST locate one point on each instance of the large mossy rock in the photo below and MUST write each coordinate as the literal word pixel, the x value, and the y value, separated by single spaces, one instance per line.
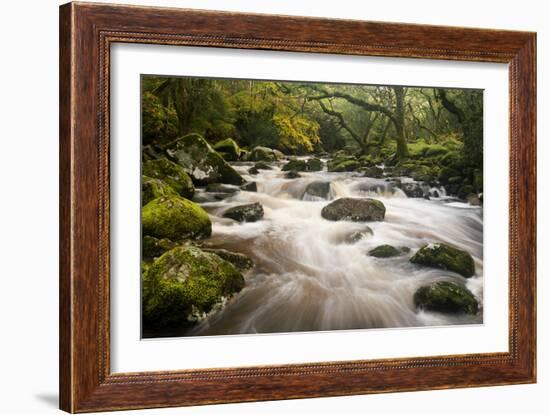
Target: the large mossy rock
pixel 153 188
pixel 171 174
pixel 175 218
pixel 295 165
pixel 314 164
pixel 201 161
pixel 445 257
pixel 317 189
pixel 260 153
pixel 343 164
pixel 355 210
pixel 446 297
pixel 252 212
pixel 228 149
pixel 184 284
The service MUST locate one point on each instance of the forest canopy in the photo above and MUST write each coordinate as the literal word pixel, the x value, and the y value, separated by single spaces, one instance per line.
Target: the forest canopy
pixel 393 123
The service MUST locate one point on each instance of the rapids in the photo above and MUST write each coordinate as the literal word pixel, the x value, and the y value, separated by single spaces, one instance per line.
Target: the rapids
pixel 307 278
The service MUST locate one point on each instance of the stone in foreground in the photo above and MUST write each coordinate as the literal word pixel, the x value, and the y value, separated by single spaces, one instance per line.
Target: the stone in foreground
pixel 355 210
pixel 445 257
pixel 446 297
pixel 245 213
pixel 171 174
pixel 184 284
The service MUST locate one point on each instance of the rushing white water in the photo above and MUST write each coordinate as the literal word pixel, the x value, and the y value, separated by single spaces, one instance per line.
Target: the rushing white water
pixel 308 277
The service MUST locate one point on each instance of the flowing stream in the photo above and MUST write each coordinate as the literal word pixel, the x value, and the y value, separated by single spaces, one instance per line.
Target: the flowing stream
pixel 307 276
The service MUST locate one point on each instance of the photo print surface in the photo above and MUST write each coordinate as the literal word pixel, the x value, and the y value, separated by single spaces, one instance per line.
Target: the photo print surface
pixel 276 206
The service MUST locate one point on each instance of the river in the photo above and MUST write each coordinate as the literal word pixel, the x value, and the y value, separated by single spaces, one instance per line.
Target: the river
pixel 308 277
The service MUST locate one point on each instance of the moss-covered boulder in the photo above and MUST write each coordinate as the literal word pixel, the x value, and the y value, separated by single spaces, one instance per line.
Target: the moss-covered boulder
pixel 446 297
pixel 201 161
pixel 171 174
pixel 317 190
pixel 343 164
pixel 184 284
pixel 240 261
pixel 152 247
pixel 260 153
pixel 175 218
pixel 374 172
pixel 295 165
pixel 354 209
pixel 252 212
pixel 153 188
pixel 387 251
pixel 445 257
pixel 315 164
pixel 228 149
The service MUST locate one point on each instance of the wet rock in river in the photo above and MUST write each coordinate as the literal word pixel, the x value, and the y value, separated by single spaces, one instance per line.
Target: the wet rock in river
pixel 446 297
pixel 318 189
pixel 221 188
pixel 253 171
pixel 245 213
pixel 260 153
pixel 292 175
pixel 250 187
pixel 357 236
pixel 445 257
pixel 295 165
pixel 153 188
pixel 262 166
pixel 374 172
pixel 240 261
pixel 355 210
pixel 388 251
pixel 228 149
pixel 314 164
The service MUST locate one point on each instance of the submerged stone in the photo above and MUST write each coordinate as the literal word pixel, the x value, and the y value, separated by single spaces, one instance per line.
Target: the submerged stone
pixel 387 251
pixel 245 213
pixel 318 189
pixel 240 261
pixel 355 210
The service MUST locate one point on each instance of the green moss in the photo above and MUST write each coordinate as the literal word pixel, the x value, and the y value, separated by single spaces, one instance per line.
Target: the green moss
pixel 184 283
pixel 229 149
pixel 175 218
pixel 446 296
pixel 445 257
pixel 171 174
pixel 260 153
pixel 153 188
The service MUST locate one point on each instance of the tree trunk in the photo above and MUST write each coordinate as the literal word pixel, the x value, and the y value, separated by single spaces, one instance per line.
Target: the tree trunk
pixel 399 121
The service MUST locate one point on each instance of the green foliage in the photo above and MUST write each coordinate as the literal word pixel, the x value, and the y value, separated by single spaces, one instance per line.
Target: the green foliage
pixel 158 123
pixel 297 135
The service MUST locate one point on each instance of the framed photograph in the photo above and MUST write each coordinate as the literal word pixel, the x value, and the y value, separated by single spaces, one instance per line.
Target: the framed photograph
pixel 260 207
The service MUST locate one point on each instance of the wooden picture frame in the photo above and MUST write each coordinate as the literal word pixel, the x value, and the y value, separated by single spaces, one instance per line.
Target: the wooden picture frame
pixel 86 33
